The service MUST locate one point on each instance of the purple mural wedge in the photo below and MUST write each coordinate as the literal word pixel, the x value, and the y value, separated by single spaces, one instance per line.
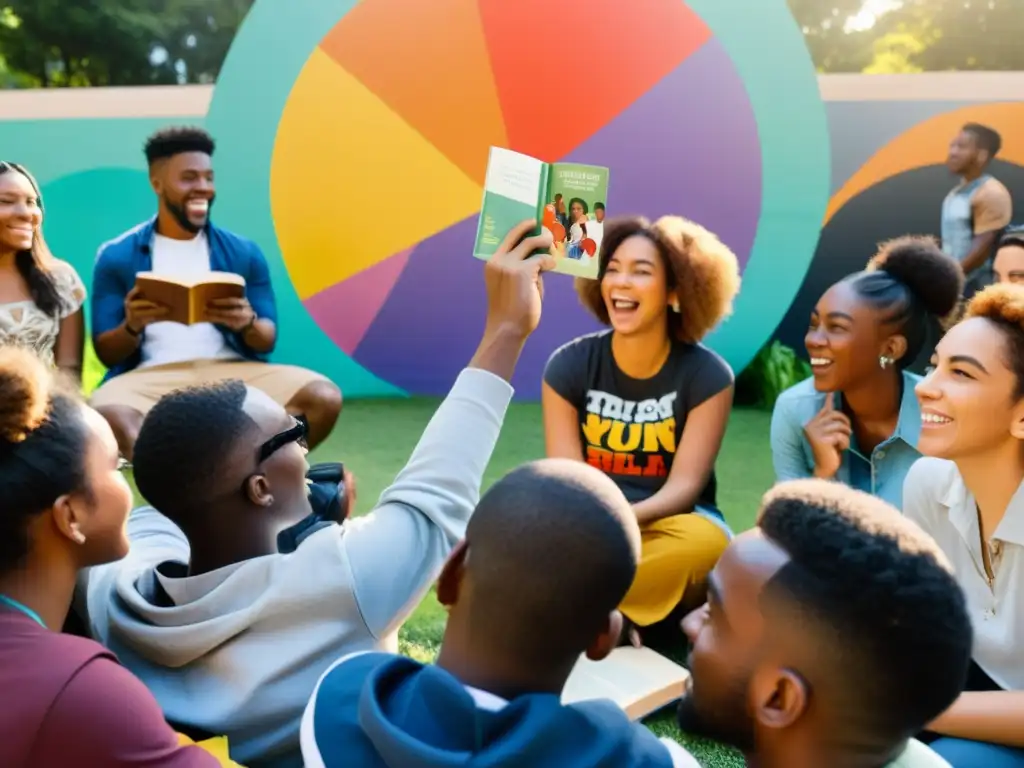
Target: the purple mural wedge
pixel 689 147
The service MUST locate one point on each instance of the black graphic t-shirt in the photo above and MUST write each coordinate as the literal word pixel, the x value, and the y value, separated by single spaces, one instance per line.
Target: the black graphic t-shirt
pixel 630 427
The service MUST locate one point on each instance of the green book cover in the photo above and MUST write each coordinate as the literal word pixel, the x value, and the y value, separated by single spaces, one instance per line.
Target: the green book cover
pixel 566 198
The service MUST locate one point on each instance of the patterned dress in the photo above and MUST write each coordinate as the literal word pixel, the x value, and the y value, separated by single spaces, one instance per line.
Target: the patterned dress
pixel 22 323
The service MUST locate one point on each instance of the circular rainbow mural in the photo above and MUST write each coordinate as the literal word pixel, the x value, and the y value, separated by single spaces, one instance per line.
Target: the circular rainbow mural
pixel 380 150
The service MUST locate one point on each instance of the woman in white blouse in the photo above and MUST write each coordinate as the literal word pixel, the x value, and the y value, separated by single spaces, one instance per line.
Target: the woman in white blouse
pixel 40 297
pixel 969 495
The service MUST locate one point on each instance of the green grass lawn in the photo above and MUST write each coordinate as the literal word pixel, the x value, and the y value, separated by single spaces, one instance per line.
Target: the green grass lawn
pixel 375 437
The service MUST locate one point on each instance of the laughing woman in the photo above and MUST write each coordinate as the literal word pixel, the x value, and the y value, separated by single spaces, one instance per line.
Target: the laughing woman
pixel 856 420
pixel 970 498
pixel 40 297
pixel 647 403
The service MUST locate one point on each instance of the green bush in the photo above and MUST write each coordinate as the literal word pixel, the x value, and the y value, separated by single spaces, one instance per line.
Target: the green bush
pixel 93 370
pixel 774 370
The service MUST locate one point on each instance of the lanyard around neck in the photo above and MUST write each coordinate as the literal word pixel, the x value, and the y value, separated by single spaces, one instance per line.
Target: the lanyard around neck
pixel 11 603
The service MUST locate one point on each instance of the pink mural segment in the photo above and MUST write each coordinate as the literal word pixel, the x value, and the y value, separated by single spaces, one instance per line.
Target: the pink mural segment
pixel 345 310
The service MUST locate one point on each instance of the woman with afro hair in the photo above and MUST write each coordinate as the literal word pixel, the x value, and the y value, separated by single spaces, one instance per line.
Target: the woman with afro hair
pixel 969 495
pixel 856 419
pixel 648 404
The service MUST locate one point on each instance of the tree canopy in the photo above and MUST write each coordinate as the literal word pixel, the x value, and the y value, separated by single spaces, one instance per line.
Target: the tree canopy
pixel 56 43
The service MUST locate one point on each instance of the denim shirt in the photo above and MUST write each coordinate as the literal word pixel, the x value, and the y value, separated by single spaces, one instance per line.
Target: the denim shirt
pixel 119 260
pixel 882 473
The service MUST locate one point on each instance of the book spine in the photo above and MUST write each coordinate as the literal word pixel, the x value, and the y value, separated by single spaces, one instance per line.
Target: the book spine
pixel 544 195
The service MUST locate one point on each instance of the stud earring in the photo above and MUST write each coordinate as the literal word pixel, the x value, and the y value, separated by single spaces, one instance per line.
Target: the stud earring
pixel 76 534
pixel 884 361
pixel 675 307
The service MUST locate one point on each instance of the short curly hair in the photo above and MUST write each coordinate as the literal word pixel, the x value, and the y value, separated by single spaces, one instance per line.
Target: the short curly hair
pixel 176 140
pixel 881 595
pixel 185 445
pixel 700 268
pixel 1003 306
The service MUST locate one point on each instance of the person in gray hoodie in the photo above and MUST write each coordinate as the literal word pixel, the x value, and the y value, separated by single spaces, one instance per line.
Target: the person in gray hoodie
pixel 230 635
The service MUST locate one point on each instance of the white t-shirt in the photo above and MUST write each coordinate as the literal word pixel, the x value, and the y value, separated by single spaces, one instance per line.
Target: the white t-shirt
pixel 167 343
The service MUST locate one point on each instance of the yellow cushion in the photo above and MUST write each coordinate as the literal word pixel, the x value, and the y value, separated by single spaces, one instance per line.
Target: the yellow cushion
pixel 218 747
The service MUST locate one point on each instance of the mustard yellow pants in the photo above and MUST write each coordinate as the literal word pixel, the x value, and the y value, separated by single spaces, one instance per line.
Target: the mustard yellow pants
pixel 677 556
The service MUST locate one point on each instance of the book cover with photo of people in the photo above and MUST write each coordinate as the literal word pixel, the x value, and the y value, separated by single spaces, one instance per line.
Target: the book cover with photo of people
pixel 568 199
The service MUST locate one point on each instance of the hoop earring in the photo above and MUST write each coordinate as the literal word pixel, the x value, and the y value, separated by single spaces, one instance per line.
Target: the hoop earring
pixel 884 361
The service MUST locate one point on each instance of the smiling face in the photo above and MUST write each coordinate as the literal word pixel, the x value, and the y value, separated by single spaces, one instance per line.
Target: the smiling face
pixel 185 186
pixel 727 635
pixel 968 402
pixel 281 476
pixel 1009 264
pixel 20 214
pixel 634 287
pixel 844 339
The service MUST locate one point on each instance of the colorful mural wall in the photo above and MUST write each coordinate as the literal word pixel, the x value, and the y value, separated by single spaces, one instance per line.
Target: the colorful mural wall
pixel 352 149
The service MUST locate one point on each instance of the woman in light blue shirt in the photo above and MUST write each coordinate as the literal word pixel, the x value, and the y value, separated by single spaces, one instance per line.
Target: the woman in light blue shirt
pixel 856 420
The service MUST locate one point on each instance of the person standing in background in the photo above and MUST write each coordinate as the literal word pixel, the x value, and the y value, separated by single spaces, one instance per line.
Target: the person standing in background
pixel 978 209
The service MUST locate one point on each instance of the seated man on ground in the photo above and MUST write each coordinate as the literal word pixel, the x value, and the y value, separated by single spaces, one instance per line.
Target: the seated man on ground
pixel 833 632
pixel 230 635
pixel 148 357
pixel 549 554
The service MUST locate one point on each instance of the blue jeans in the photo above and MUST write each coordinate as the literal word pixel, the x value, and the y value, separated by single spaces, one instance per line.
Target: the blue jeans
pixel 961 753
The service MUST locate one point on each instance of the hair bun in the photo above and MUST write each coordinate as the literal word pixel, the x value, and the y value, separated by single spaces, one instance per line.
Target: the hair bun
pixel 24 393
pixel 934 277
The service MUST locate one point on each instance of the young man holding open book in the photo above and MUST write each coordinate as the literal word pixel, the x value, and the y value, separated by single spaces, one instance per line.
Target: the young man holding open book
pixel 178 301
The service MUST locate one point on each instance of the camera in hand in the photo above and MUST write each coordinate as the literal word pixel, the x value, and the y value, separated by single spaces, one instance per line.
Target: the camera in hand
pixel 328 498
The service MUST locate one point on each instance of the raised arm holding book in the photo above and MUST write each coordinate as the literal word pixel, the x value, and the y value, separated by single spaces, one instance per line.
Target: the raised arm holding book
pixel 204 591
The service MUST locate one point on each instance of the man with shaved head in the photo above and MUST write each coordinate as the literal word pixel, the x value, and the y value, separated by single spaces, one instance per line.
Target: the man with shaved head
pixel 834 632
pixel 548 556
pixel 231 635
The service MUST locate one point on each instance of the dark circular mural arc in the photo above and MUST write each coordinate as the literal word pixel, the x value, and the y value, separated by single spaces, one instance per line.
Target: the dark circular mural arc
pixel 907 203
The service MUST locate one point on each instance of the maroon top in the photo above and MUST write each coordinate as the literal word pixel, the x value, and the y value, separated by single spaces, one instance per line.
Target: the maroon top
pixel 66 701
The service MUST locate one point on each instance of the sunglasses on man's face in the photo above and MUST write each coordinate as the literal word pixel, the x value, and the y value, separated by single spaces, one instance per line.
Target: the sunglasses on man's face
pixel 294 434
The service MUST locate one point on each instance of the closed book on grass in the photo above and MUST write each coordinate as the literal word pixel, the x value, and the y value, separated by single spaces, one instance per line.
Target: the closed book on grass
pixel 639 680
pixel 187 296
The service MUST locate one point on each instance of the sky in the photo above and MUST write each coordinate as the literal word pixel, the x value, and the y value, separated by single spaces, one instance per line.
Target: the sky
pixel 869 13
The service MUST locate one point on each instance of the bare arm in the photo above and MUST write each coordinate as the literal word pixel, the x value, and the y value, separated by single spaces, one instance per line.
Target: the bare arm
pixel 115 346
pixel 992 210
pixel 261 336
pixel 561 426
pixel 69 346
pixel 981 249
pixel 695 458
pixel 996 717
